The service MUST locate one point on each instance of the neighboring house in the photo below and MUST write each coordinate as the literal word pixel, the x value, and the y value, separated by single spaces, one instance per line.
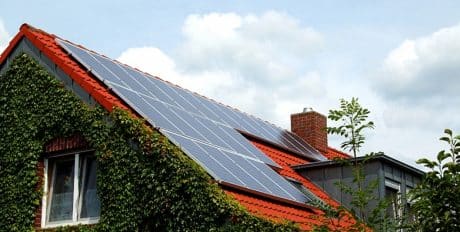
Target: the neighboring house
pixel 252 160
pixel 394 180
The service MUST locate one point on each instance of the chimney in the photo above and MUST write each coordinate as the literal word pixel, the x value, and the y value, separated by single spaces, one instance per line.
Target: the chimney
pixel 311 127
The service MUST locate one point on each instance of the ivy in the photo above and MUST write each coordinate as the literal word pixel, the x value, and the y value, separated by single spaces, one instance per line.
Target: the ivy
pixel 145 183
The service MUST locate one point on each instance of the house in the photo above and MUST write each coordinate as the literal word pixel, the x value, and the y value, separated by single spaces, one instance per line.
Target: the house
pixel 252 161
pixel 394 180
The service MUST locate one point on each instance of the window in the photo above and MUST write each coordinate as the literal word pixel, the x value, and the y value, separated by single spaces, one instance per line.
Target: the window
pixel 393 195
pixel 70 190
pixel 410 216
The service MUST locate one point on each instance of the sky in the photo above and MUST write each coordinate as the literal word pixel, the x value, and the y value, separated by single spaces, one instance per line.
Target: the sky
pixel 401 59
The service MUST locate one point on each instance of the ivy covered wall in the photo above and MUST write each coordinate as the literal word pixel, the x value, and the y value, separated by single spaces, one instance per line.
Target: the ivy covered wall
pixel 144 182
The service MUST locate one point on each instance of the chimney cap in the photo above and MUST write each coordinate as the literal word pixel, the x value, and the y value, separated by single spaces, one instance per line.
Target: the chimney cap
pixel 307 109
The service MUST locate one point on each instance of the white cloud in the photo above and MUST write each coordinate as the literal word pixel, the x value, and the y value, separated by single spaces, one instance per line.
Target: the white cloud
pixel 262 64
pixel 421 80
pixel 4 36
pixel 149 59
pixel 425 67
pixel 420 83
pixel 244 43
pixel 253 62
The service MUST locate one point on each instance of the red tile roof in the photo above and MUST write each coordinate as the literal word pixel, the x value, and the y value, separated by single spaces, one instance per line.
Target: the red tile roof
pixel 333 153
pixel 272 209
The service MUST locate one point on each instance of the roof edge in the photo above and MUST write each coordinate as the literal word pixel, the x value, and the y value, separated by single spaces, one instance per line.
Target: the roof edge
pixel 382 157
pixel 12 44
pixel 266 196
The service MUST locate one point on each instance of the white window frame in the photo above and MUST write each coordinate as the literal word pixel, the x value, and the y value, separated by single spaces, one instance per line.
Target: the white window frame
pixel 77 190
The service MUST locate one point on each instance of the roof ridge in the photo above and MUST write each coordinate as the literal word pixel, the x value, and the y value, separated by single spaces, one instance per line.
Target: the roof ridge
pixel 26 26
pixel 163 80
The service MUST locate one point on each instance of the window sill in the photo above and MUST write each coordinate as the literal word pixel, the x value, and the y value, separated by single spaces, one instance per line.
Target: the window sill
pixel 70 223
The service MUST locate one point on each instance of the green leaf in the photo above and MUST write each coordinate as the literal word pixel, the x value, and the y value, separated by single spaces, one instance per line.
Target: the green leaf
pixel 427 163
pixel 442 155
pixel 447 139
pixel 448 131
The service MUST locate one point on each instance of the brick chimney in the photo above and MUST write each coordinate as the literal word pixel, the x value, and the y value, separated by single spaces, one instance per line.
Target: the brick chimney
pixel 311 127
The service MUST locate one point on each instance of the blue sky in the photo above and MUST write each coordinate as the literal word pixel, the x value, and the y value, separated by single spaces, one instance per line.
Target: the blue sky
pixel 272 58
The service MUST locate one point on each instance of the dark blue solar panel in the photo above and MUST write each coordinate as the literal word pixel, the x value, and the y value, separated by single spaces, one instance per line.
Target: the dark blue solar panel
pixel 207 109
pixel 271 180
pixel 184 122
pixel 242 142
pixel 149 83
pixel 243 170
pixel 88 60
pixel 191 102
pixel 235 169
pixel 255 175
pixel 262 132
pixel 226 118
pixel 195 127
pixel 236 118
pixel 212 135
pixel 204 128
pixel 302 146
pixel 267 131
pixel 281 184
pixel 215 168
pixel 121 71
pixel 185 104
pixel 152 110
pixel 247 123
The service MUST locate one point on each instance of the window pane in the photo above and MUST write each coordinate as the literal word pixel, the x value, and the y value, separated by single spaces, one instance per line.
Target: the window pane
pixel 392 196
pixel 90 205
pixel 61 204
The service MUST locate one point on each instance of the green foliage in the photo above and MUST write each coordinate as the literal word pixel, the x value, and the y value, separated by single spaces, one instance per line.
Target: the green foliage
pixel 353 121
pixel 436 202
pixel 144 182
pixel 333 216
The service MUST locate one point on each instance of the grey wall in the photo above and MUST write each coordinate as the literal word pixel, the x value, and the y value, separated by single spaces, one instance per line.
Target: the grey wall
pixel 328 177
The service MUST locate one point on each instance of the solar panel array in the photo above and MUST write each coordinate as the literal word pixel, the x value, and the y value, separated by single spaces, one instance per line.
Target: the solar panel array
pixel 203 128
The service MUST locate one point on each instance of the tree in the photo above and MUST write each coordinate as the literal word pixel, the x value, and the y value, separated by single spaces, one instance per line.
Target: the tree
pixel 436 200
pixel 354 122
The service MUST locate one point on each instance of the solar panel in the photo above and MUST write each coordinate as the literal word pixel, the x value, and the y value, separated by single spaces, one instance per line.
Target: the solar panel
pixel 201 126
pixel 239 170
pixel 193 103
